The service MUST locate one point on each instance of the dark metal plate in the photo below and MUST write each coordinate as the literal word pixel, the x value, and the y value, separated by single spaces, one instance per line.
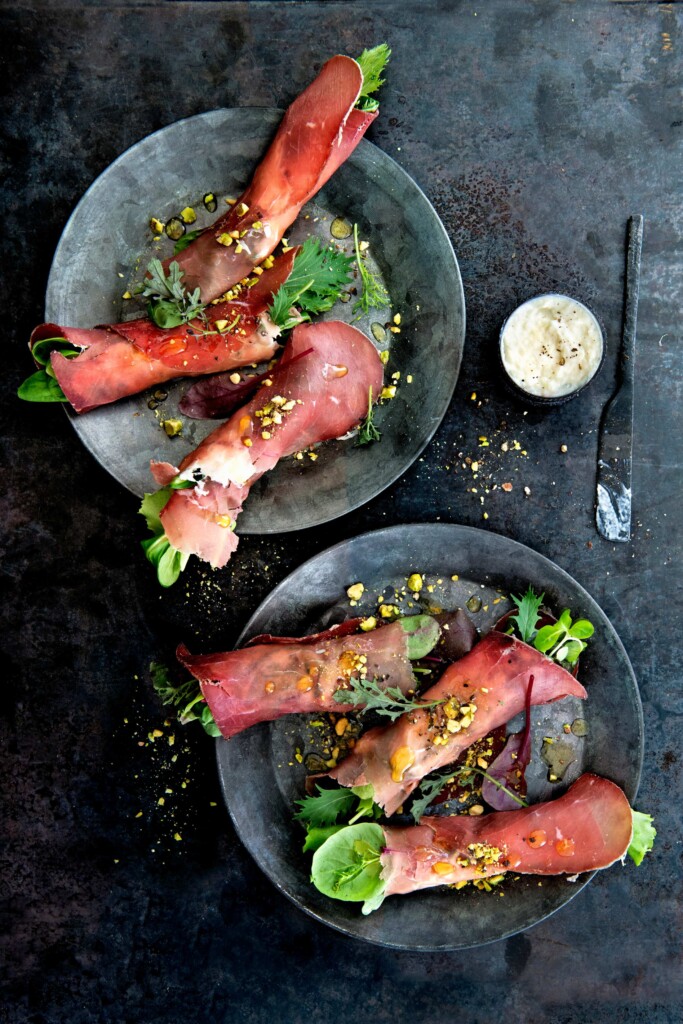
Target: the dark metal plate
pixel 107 241
pixel 261 777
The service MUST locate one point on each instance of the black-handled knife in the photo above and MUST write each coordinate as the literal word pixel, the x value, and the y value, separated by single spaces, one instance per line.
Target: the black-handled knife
pixel 615 446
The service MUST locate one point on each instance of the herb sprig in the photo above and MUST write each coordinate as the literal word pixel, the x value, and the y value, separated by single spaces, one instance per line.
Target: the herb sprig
pixel 321 814
pixel 563 641
pixel 373 294
pixel 429 789
pixel 187 697
pixel 318 277
pixel 368 432
pixel 388 701
pixel 170 303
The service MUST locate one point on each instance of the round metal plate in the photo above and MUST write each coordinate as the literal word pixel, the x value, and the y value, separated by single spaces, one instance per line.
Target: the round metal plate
pixel 107 244
pixel 261 777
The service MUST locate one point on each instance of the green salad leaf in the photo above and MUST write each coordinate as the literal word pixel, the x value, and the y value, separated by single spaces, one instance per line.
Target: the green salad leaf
pixel 42 385
pixel 170 303
pixel 318 277
pixel 187 697
pixel 348 866
pixel 528 614
pixel 185 240
pixel 643 837
pixel 168 561
pixel 372 64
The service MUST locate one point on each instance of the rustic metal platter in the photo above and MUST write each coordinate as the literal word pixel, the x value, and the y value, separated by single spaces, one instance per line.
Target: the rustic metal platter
pixel 262 778
pixel 107 244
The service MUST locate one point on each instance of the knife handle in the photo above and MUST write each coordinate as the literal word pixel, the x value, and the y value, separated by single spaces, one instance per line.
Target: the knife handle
pixel 627 358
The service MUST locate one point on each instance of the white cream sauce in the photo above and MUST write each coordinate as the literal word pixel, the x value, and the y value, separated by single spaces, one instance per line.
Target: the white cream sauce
pixel 551 346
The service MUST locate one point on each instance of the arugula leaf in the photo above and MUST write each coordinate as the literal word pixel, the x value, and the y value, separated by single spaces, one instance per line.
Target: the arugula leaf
pixel 187 696
pixel 368 432
pixel 373 295
pixel 428 791
pixel 325 809
pixel 318 277
pixel 348 866
pixel 527 615
pixel 643 837
pixel 387 701
pixel 372 64
pixel 168 561
pixel 170 305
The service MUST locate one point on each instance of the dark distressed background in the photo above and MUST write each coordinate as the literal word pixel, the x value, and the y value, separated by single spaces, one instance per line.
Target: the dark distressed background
pixel 535 128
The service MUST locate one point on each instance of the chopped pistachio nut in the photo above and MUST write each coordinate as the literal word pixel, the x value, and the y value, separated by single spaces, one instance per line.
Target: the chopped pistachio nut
pixel 188 216
pixel 397 319
pixel 172 427
pixel 415 582
pixel 242 209
pixel 157 225
pixel 355 591
pixel 235 378
pixel 224 239
pixel 369 624
pixel 388 392
pixel 384 356
pixel 388 611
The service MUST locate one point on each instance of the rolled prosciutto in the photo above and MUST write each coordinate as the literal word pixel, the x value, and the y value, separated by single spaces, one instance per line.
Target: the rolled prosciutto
pixel 123 359
pixel 262 682
pixel 589 827
pixel 478 693
pixel 318 132
pixel 319 391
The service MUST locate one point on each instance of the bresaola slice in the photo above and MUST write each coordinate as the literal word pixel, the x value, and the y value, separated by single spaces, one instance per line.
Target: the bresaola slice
pixel 318 132
pixel 284 676
pixel 493 679
pixel 123 359
pixel 313 397
pixel 588 827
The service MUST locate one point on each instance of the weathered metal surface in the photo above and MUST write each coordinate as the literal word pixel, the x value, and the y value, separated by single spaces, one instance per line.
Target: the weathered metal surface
pixel 535 129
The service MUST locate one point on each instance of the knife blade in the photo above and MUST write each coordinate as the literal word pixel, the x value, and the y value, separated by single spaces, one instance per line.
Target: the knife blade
pixel 615 444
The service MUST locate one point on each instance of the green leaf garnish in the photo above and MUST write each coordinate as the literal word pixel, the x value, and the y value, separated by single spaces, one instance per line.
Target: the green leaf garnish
pixel 373 295
pixel 429 789
pixel 185 240
pixel 527 616
pixel 348 866
pixel 318 277
pixel 326 808
pixel 41 387
pixel 187 697
pixel 168 561
pixel 372 64
pixel 563 641
pixel 170 305
pixel 368 432
pixel 643 837
pixel 390 701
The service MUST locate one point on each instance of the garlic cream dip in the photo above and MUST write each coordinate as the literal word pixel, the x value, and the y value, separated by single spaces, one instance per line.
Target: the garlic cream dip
pixel 551 346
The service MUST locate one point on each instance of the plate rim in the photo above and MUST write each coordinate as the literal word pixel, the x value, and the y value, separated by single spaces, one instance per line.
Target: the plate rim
pixel 458 301
pixel 463 532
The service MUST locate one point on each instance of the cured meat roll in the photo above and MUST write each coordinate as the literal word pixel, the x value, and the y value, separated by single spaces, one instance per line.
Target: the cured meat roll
pixel 123 359
pixel 266 680
pixel 319 391
pixel 318 132
pixel 478 693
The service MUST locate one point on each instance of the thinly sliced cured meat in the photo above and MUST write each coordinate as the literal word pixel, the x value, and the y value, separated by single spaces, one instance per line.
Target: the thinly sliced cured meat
pixel 123 359
pixel 479 692
pixel 589 827
pixel 313 397
pixel 268 680
pixel 318 132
